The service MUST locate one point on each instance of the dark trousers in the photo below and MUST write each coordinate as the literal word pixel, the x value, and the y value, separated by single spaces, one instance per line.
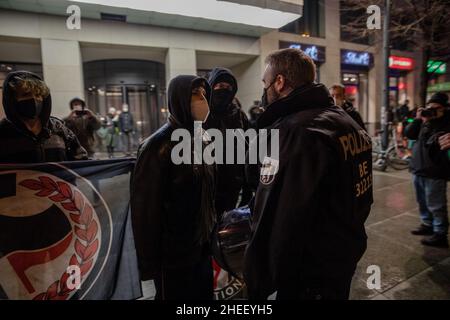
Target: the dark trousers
pixel 188 283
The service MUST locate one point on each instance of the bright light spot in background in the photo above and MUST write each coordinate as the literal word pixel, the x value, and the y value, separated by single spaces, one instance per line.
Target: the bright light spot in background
pixel 207 9
pixel 351 90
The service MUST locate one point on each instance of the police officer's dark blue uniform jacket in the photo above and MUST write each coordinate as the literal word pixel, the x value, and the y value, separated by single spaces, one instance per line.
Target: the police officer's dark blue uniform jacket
pixel 308 218
pixel 19 145
pixel 172 206
pixel 224 114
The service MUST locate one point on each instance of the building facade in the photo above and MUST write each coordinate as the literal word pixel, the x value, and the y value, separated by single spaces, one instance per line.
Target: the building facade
pixel 129 55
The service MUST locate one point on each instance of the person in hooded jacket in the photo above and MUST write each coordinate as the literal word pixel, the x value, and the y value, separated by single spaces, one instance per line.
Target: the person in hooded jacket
pixel 83 123
pixel 255 111
pixel 226 113
pixel 430 166
pixel 314 196
pixel 172 205
pixel 337 91
pixel 29 134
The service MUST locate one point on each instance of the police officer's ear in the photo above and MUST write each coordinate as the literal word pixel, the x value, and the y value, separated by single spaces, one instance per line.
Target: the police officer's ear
pixel 280 84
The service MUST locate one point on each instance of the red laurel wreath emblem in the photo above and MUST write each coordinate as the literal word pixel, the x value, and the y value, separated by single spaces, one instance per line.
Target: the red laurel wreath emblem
pixel 85 229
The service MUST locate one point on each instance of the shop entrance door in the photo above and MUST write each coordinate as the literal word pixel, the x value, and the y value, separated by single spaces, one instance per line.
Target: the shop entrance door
pixel 357 92
pixel 142 102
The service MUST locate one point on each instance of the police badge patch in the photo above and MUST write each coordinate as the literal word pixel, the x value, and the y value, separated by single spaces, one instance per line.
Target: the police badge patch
pixel 268 171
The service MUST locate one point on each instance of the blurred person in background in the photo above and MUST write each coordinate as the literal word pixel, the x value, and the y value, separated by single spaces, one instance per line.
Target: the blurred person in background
pixel 337 91
pixel 83 123
pixel 430 166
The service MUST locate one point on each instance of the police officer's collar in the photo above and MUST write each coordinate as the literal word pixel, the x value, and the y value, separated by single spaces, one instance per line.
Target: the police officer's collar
pixel 309 96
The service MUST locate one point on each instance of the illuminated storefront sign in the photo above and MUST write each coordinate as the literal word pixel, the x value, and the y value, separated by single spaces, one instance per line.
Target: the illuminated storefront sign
pixel 356 58
pixel 317 53
pixel 401 63
pixel 437 67
pixel 444 86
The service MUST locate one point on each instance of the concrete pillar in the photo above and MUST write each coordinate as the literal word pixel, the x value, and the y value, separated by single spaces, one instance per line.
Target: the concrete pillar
pixel 63 72
pixel 249 74
pixel 330 71
pixel 411 88
pixel 180 61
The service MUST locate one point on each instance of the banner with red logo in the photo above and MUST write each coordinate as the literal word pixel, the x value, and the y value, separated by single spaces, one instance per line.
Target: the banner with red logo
pixel 227 286
pixel 65 231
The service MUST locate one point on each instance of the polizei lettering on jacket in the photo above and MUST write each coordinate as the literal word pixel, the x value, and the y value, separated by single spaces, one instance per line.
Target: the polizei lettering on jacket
pixel 355 143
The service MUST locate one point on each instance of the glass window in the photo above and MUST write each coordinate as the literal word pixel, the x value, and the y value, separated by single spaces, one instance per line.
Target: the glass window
pixel 312 22
pixel 110 84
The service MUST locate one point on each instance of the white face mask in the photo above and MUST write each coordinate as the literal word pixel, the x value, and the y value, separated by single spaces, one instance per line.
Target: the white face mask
pixel 200 110
pixel 199 107
pixel 125 108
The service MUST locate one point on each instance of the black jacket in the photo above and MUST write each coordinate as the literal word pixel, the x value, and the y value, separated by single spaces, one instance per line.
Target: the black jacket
pixel 172 206
pixel 308 218
pixel 427 159
pixel 403 112
pixel 55 143
pixel 348 107
pixel 126 122
pixel 231 177
pixel 84 127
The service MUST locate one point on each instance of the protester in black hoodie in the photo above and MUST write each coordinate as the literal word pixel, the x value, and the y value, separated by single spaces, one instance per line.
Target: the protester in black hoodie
pixel 430 166
pixel 226 113
pixel 172 205
pixel 29 134
pixel 337 91
pixel 312 201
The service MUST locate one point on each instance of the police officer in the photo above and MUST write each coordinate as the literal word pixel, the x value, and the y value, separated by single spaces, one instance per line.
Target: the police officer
pixel 313 199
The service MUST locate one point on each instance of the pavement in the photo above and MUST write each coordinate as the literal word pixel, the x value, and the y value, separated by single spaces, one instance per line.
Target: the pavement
pixel 409 270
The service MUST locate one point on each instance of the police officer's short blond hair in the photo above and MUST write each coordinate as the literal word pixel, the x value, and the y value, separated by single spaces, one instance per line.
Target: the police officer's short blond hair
pixel 295 65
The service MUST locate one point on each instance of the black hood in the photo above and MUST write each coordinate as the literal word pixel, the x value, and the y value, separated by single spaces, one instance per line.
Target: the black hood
pixel 77 99
pixel 9 100
pixel 310 96
pixel 179 99
pixel 218 75
pixel 222 75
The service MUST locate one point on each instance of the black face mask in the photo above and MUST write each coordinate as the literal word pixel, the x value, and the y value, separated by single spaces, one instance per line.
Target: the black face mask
pixel 264 101
pixel 29 108
pixel 221 99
